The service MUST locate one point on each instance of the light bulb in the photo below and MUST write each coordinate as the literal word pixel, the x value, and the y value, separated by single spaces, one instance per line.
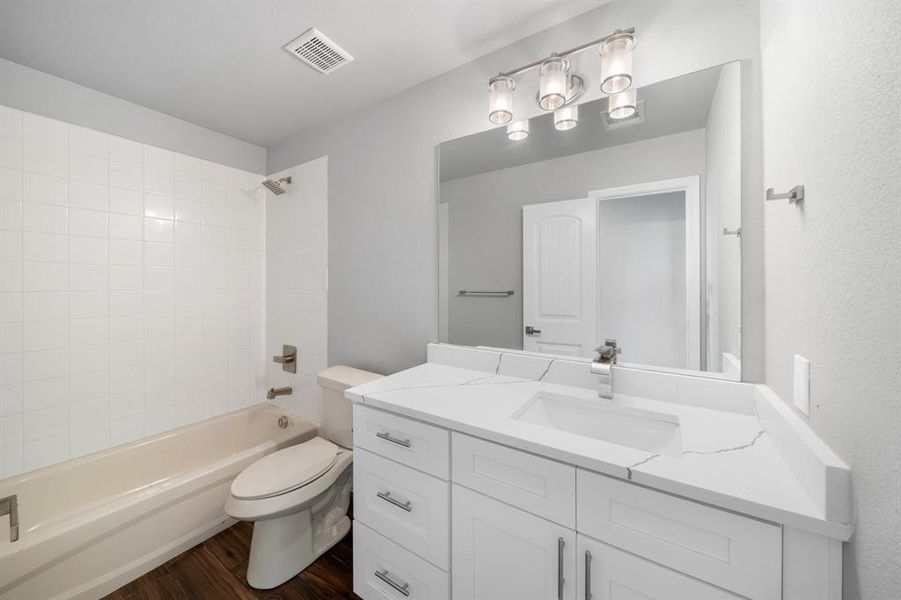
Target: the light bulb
pixel 553 82
pixel 622 105
pixel 518 131
pixel 500 99
pixel 616 63
pixel 566 118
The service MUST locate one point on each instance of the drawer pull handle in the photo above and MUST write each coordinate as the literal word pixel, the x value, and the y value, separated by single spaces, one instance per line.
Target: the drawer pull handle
pixel 587 575
pixel 383 575
pixel 386 496
pixel 560 580
pixel 389 438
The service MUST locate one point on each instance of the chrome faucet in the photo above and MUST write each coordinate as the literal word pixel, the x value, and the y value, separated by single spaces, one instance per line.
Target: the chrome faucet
pixel 282 391
pixel 10 506
pixel 603 367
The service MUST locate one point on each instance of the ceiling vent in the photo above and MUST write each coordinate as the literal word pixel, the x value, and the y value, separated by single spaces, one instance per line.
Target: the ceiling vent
pixel 614 124
pixel 321 53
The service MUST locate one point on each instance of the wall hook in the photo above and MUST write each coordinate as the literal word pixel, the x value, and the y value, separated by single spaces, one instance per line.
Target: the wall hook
pixel 794 195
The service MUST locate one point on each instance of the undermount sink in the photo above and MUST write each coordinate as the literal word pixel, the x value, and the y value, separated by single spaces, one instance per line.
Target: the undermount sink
pixel 606 421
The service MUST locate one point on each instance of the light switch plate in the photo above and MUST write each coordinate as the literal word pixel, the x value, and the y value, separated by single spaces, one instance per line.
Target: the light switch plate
pixel 801 387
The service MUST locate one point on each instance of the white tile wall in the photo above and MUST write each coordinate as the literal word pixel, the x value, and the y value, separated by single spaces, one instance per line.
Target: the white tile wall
pixel 297 282
pixel 132 290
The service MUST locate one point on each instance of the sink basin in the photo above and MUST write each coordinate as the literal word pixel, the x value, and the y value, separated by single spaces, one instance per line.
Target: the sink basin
pixel 606 421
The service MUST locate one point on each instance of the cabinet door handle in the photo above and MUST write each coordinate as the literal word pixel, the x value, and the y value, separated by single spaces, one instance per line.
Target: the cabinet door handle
pixel 389 438
pixel 402 588
pixel 587 575
pixel 560 580
pixel 387 497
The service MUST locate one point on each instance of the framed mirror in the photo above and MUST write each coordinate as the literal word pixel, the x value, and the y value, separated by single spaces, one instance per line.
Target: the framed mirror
pixel 558 237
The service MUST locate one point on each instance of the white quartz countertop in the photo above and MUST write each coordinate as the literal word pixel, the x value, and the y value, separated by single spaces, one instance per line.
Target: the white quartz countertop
pixel 728 460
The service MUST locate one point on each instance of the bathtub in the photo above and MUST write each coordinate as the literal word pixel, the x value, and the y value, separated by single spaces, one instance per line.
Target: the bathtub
pixel 90 525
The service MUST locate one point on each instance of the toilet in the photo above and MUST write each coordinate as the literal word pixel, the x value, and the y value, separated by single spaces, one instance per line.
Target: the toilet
pixel 298 497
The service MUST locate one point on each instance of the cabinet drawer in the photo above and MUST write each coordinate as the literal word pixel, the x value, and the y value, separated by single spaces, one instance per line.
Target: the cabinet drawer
pixel 614 574
pixel 535 484
pixel 734 552
pixel 385 571
pixel 406 506
pixel 412 443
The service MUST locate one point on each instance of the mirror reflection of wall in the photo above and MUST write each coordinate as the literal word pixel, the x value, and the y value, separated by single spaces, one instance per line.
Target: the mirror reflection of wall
pixel 600 232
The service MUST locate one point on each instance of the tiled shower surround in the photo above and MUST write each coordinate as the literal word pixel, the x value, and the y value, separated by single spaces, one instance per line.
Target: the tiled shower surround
pixel 132 290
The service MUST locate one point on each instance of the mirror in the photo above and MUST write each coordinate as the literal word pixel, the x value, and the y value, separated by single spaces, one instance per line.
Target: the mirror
pixel 627 229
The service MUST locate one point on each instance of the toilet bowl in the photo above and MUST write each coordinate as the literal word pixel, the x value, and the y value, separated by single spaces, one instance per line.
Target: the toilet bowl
pixel 298 497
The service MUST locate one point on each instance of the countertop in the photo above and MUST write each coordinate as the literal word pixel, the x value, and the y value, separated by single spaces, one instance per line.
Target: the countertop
pixel 728 460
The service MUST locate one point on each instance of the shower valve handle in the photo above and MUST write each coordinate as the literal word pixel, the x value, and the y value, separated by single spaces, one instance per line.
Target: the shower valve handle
pixel 288 358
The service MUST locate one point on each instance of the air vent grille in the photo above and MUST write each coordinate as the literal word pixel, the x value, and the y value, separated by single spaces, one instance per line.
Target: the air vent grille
pixel 317 50
pixel 614 124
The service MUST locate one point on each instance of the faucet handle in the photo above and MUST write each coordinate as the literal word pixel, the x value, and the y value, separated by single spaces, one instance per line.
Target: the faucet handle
pixel 607 353
pixel 288 358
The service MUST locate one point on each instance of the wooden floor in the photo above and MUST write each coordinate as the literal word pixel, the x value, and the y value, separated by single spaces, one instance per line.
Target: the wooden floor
pixel 216 570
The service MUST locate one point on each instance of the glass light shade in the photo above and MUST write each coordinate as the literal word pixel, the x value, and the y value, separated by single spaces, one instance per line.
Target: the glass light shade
pixel 518 131
pixel 566 118
pixel 500 99
pixel 616 63
pixel 622 105
pixel 553 82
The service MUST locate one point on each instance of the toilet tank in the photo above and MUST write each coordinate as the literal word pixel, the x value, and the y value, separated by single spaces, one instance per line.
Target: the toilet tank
pixel 337 411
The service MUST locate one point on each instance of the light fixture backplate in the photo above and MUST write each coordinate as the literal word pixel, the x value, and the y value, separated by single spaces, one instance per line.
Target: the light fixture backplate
pixel 576 89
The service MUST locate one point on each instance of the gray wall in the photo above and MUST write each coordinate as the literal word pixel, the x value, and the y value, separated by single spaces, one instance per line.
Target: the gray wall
pixel 832 121
pixel 37 92
pixel 383 177
pixel 485 223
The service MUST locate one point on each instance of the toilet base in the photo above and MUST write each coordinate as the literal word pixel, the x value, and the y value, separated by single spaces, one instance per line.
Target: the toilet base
pixel 283 547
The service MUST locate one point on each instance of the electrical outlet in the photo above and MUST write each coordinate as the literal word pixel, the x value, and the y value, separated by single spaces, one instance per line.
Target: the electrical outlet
pixel 801 387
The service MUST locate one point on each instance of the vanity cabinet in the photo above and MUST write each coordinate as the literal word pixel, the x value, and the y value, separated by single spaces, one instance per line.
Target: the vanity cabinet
pixel 403 504
pixel 729 550
pixel 607 573
pixel 442 514
pixel 537 485
pixel 385 570
pixel 503 552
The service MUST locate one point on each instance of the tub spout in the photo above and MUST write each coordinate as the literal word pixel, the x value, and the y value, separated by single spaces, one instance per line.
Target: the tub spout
pixel 282 391
pixel 10 506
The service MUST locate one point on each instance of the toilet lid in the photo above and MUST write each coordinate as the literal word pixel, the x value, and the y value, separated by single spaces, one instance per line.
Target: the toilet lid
pixel 285 470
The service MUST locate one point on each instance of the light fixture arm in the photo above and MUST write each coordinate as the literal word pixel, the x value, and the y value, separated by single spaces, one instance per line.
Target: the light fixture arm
pixel 565 53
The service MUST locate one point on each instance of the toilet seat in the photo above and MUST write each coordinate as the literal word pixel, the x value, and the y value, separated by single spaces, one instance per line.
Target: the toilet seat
pixel 285 470
pixel 294 500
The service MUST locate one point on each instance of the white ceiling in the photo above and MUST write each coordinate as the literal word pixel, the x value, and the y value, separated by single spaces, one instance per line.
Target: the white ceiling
pixel 220 64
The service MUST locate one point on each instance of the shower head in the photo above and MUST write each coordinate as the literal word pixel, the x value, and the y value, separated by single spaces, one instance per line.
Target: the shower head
pixel 276 186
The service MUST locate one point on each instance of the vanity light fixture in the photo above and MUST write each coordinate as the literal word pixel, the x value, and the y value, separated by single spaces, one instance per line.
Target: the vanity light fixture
pixel 622 105
pixel 558 86
pixel 518 131
pixel 616 62
pixel 566 118
pixel 500 99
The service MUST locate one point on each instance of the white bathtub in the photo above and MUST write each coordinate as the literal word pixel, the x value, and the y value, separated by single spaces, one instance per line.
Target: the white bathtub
pixel 90 525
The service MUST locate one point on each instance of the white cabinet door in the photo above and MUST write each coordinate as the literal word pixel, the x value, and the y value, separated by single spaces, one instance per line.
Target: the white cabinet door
pixel 502 552
pixel 607 573
pixel 560 277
